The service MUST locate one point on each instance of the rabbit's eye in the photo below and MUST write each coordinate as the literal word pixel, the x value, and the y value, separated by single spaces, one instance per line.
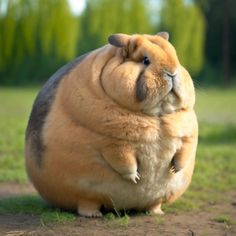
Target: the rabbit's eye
pixel 146 61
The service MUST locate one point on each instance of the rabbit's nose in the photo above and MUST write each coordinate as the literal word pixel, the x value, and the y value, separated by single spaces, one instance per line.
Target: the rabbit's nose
pixel 171 75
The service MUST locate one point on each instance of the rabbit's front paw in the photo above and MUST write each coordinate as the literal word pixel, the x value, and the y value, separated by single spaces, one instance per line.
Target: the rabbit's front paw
pixel 176 166
pixel 134 177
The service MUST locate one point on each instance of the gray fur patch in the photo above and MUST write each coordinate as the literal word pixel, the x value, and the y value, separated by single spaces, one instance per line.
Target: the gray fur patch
pixel 41 108
pixel 141 88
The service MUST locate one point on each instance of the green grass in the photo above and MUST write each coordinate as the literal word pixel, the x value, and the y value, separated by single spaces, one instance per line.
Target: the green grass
pixel 33 205
pixel 117 218
pixel 215 171
pixel 225 220
pixel 15 105
pixel 216 105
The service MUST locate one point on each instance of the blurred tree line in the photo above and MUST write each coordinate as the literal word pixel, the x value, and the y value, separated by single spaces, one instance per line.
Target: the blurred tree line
pixel 38 36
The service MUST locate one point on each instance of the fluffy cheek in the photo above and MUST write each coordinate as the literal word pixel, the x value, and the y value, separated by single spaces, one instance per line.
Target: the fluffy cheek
pixel 120 84
pixel 184 89
pixel 157 89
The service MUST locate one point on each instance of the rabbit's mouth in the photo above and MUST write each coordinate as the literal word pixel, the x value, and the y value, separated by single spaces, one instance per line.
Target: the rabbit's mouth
pixel 168 104
pixel 176 85
pixel 174 91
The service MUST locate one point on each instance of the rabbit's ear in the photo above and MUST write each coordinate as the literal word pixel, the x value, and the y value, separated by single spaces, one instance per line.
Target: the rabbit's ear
pixel 119 40
pixel 164 35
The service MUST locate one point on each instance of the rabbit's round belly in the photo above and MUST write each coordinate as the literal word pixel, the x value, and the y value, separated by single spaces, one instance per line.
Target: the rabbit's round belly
pixel 156 182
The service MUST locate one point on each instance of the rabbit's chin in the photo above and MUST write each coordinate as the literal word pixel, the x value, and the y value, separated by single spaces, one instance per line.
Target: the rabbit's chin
pixel 169 104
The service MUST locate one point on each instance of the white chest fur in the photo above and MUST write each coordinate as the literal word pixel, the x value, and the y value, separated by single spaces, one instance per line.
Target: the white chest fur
pixel 156 180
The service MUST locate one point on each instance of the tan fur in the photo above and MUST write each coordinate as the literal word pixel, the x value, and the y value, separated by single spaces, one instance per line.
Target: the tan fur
pixel 100 140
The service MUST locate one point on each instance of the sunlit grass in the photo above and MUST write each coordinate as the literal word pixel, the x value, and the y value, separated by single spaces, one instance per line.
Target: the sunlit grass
pixel 216 105
pixel 15 105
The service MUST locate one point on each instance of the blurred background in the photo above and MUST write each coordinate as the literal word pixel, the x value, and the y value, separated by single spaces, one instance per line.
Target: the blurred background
pixel 38 36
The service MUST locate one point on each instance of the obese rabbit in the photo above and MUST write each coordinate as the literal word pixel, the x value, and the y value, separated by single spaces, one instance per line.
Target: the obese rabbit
pixel 115 128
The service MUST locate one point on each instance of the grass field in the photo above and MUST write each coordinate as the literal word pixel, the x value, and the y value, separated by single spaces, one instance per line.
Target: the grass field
pixel 215 172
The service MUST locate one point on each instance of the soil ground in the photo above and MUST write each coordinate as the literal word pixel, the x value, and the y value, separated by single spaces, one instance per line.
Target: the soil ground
pixel 197 223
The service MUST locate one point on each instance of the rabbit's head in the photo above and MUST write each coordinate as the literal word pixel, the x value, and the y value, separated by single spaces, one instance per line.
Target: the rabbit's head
pixel 145 75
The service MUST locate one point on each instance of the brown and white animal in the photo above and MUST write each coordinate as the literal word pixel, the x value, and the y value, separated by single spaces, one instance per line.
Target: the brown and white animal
pixel 115 128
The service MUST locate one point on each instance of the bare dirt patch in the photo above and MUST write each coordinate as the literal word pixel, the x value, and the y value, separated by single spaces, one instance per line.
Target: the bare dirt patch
pixel 15 189
pixel 203 222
